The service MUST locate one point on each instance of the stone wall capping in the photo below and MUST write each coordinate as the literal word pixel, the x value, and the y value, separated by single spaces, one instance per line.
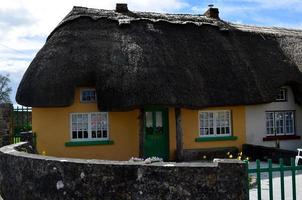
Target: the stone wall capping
pixel 11 149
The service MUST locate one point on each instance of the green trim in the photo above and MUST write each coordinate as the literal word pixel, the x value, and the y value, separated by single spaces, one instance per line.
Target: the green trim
pixel 222 138
pixel 87 143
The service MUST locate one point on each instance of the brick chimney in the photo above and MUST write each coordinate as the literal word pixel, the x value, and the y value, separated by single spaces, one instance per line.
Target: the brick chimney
pixel 121 7
pixel 212 12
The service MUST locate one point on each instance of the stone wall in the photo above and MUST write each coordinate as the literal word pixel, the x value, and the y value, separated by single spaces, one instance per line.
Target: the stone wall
pixel 5 122
pixel 30 176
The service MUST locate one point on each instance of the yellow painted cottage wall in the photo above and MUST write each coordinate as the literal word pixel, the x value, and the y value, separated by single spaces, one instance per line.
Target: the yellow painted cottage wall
pixel 52 128
pixel 190 125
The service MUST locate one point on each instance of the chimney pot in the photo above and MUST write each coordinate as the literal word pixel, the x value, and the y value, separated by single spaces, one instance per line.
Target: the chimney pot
pixel 212 13
pixel 121 7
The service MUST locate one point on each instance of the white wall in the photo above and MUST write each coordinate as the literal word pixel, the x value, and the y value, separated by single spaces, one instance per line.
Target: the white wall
pixel 256 122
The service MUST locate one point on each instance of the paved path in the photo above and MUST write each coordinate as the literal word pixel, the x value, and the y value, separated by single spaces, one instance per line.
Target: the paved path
pixel 276 184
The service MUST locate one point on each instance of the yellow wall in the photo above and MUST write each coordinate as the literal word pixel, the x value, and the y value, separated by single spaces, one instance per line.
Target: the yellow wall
pixel 52 128
pixel 190 127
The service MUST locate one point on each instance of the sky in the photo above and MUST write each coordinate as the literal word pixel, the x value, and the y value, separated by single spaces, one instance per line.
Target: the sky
pixel 25 24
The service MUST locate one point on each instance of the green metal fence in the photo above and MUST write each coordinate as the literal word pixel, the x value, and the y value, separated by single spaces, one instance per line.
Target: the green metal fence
pixel 21 121
pixel 281 169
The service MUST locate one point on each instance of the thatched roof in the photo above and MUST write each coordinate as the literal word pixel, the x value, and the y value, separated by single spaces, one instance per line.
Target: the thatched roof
pixel 136 59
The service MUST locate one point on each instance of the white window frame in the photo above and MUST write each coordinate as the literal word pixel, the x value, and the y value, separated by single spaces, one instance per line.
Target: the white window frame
pixel 284 93
pixel 284 122
pixel 88 90
pixel 215 113
pixel 89 127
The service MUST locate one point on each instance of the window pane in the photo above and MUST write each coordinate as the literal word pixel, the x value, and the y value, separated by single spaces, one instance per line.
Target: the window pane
pixel 282 93
pixel 88 95
pixel 74 118
pixel 74 126
pixel 289 122
pixel 149 120
pixel 279 120
pixel 206 123
pixel 74 135
pixel 98 134
pixel 105 134
pixel 85 134
pixel 159 119
pixel 93 134
pixel 223 122
pixel 79 118
pixel 227 130
pixel 270 123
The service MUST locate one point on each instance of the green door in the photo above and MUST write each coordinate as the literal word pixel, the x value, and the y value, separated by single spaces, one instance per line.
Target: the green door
pixel 156 133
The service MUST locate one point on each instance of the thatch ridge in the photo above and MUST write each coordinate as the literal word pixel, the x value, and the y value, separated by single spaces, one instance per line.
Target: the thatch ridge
pixel 136 59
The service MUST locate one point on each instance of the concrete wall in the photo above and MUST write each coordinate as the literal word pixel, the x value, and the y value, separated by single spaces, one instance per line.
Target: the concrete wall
pixel 256 122
pixel 28 176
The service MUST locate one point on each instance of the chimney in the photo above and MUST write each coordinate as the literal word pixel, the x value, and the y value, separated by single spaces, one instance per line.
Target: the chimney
pixel 212 12
pixel 121 8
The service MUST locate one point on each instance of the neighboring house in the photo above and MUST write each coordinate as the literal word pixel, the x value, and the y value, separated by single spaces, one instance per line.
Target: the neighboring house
pixel 116 84
pixel 276 122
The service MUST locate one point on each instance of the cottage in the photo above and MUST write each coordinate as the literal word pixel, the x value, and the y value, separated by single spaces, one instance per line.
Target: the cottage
pixel 116 84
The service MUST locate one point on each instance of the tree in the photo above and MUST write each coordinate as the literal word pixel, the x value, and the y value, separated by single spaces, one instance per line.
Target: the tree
pixel 5 90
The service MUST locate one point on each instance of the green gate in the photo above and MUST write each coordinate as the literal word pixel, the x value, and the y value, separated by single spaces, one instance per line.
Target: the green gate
pixel 21 121
pixel 269 170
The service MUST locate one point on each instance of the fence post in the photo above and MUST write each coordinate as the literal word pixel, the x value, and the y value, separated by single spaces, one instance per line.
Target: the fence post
pixel 270 176
pixel 282 178
pixel 293 169
pixel 258 179
pixel 17 120
pixel 27 116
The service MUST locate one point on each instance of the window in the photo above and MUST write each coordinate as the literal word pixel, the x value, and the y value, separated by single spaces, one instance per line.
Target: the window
pixel 280 122
pixel 215 123
pixel 282 95
pixel 89 126
pixel 88 95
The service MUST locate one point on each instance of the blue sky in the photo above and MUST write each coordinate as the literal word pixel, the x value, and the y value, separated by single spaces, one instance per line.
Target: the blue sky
pixel 25 24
